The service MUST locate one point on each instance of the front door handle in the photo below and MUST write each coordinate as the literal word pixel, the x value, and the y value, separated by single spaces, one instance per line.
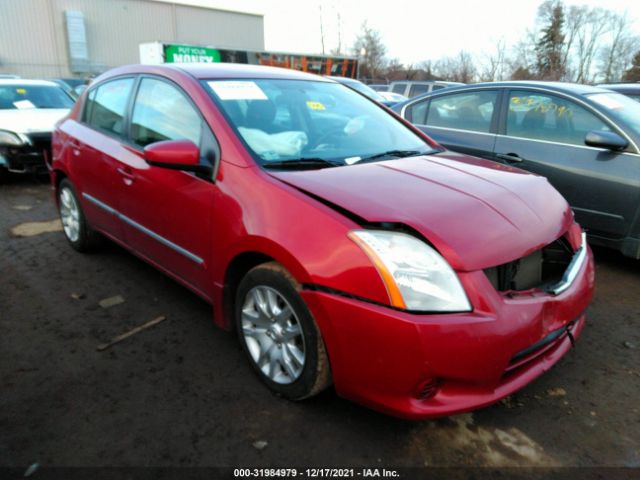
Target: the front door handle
pixel 510 157
pixel 127 175
pixel 75 147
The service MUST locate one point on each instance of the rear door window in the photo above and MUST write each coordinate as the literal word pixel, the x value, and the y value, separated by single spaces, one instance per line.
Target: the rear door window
pixel 106 107
pixel 464 111
pixel 162 112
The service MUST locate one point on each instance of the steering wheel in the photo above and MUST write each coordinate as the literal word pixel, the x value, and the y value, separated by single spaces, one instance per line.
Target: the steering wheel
pixel 337 132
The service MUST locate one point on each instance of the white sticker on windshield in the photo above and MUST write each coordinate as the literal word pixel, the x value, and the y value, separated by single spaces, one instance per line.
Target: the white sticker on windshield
pixel 607 100
pixel 237 90
pixel 23 104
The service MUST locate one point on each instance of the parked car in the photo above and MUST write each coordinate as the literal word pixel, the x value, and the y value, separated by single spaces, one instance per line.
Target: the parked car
pixel 28 111
pixel 364 89
pixel 393 98
pixel 71 85
pixel 342 244
pixel 631 90
pixel 413 88
pixel 379 87
pixel 583 139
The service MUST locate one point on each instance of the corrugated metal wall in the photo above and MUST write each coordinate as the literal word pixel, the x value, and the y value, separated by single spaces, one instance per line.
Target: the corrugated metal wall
pixel 33 33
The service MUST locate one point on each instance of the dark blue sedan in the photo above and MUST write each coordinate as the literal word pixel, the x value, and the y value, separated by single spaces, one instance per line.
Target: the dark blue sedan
pixel 584 139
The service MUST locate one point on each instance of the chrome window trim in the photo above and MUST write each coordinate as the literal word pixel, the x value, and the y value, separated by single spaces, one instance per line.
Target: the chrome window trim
pixel 456 129
pixel 572 270
pixel 572 145
pixel 143 229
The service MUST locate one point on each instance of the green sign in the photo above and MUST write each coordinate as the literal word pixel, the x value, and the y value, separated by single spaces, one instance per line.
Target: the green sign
pixel 189 54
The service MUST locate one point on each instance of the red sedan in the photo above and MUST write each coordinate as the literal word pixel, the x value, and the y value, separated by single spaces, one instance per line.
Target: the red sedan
pixel 341 243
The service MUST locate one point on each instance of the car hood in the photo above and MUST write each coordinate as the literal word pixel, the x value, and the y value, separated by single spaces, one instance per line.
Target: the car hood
pixel 31 120
pixel 477 213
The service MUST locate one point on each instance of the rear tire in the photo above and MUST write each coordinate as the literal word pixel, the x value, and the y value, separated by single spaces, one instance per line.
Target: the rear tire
pixel 279 335
pixel 74 223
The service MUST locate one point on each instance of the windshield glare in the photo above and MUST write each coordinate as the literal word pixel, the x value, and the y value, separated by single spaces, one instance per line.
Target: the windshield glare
pixel 24 97
pixel 287 120
pixel 621 108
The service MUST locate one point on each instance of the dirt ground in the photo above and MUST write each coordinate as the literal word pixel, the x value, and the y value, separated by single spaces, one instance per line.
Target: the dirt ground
pixel 181 393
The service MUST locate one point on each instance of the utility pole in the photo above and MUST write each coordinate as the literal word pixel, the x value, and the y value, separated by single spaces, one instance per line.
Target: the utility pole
pixel 321 29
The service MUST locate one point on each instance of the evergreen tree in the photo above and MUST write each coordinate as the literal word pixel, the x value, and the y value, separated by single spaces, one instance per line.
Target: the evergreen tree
pixel 549 48
pixel 632 74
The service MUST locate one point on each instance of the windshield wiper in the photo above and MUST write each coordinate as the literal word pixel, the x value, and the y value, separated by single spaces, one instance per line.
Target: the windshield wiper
pixel 391 153
pixel 302 163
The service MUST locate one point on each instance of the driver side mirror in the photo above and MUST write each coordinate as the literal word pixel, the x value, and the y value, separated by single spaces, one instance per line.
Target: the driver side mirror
pixel 176 155
pixel 608 140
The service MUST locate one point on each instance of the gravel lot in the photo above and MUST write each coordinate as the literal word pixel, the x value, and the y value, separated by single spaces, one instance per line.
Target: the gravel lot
pixel 181 393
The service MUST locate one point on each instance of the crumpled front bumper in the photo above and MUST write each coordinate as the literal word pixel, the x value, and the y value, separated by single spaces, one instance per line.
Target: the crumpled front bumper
pixel 383 358
pixel 28 158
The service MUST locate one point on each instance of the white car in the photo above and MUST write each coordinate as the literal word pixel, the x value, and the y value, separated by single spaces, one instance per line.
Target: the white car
pixel 29 109
pixel 392 97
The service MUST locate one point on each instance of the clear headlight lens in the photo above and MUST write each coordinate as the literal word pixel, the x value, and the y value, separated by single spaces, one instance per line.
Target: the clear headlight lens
pixel 10 139
pixel 416 276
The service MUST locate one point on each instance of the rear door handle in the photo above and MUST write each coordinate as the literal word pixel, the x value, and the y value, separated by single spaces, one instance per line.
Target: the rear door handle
pixel 510 157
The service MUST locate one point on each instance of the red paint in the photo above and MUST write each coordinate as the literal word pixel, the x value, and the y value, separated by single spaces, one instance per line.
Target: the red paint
pixel 177 152
pixel 476 213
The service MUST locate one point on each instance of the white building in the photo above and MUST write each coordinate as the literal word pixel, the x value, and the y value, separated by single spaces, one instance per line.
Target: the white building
pixel 64 38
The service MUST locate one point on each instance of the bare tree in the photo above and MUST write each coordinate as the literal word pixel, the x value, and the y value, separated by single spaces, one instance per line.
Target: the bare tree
pixel 460 68
pixel 369 47
pixel 494 65
pixel 523 57
pixel 589 36
pixel 616 54
pixel 577 16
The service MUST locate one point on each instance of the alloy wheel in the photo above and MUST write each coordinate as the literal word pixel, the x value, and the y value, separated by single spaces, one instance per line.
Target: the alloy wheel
pixel 273 335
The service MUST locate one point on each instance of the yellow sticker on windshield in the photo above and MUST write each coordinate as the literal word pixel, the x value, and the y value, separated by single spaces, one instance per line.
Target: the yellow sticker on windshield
pixel 315 105
pixel 21 91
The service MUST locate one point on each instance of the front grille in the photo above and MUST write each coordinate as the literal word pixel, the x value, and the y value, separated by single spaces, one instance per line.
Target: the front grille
pixel 538 270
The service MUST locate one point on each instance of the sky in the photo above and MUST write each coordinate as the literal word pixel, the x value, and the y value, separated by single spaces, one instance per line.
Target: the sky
pixel 413 31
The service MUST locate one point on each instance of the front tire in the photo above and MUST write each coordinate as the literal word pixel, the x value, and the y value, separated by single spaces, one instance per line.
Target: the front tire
pixel 279 335
pixel 74 224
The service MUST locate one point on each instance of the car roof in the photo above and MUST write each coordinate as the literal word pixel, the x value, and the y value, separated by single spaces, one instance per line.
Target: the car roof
pixel 343 79
pixel 560 87
pixel 427 82
pixel 621 87
pixel 209 71
pixel 563 87
pixel 26 82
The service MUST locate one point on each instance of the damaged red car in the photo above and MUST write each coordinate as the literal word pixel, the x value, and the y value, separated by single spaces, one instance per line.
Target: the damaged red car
pixel 343 245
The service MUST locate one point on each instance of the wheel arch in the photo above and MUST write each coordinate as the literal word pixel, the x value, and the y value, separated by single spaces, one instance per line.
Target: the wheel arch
pixel 246 259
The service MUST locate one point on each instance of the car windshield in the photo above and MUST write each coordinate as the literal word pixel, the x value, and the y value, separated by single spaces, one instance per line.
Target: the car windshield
pixel 320 123
pixel 621 108
pixel 23 97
